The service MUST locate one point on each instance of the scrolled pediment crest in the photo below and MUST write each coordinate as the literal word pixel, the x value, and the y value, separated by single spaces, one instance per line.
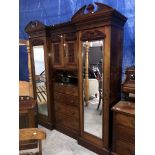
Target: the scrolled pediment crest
pixel 34 26
pixel 91 9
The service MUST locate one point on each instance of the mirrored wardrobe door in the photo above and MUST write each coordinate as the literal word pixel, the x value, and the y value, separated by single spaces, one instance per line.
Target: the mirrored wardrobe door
pixel 92 58
pixel 40 79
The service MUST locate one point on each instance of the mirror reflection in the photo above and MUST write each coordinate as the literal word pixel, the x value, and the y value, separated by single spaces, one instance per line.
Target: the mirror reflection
pixel 40 79
pixel 92 56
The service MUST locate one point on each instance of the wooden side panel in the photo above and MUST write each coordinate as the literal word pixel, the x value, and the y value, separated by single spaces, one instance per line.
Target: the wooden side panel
pixel 106 84
pixel 115 72
pixel 116 64
pixel 123 148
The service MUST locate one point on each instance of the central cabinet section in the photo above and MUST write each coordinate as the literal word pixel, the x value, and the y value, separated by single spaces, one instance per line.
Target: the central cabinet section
pixel 65 77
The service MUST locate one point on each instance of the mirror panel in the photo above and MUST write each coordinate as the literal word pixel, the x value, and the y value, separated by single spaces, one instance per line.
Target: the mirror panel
pixel 92 55
pixel 40 79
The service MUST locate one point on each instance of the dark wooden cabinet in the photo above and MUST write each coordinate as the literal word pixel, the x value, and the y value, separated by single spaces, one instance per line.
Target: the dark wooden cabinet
pixel 124 128
pixel 63 54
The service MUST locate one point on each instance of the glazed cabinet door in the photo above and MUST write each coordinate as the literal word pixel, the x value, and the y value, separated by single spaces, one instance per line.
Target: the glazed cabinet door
pixel 64 51
pixel 57 55
pixel 70 59
pixel 70 50
pixel 57 51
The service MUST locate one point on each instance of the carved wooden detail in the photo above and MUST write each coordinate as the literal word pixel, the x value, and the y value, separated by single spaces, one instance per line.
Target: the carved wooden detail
pixel 71 52
pixel 90 9
pixel 80 12
pixel 103 7
pixel 70 36
pixel 92 35
pixel 55 38
pixel 34 26
pixel 56 49
pixel 37 42
pixel 95 11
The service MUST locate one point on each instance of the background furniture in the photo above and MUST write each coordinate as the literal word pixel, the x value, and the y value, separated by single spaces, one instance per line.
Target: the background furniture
pixel 124 128
pixel 27 118
pixel 28 134
pixel 27 112
pixel 128 86
pixel 124 117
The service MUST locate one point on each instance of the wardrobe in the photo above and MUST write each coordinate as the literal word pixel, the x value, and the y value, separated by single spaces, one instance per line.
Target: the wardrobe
pixel 63 58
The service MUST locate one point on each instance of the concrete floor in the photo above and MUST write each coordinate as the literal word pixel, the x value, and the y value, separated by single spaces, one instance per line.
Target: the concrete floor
pixel 56 143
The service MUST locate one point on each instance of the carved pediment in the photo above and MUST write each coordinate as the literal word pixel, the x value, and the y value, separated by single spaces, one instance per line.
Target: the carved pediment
pixel 34 26
pixel 90 9
pixel 92 35
pixel 103 7
pixel 97 11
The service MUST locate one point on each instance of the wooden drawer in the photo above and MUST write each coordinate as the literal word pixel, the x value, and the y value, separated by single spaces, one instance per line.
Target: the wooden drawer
pixel 66 89
pixel 125 120
pixel 68 121
pixel 123 148
pixel 67 99
pixel 125 134
pixel 67 110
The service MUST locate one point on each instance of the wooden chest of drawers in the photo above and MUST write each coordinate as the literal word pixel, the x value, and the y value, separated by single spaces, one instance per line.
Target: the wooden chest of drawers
pixel 124 128
pixel 66 103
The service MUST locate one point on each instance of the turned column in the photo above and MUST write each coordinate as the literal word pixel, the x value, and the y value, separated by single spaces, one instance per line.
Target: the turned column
pixel 86 84
pixel 30 71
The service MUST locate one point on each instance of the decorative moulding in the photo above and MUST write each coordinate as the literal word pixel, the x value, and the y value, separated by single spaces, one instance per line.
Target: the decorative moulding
pixel 34 26
pixel 95 12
